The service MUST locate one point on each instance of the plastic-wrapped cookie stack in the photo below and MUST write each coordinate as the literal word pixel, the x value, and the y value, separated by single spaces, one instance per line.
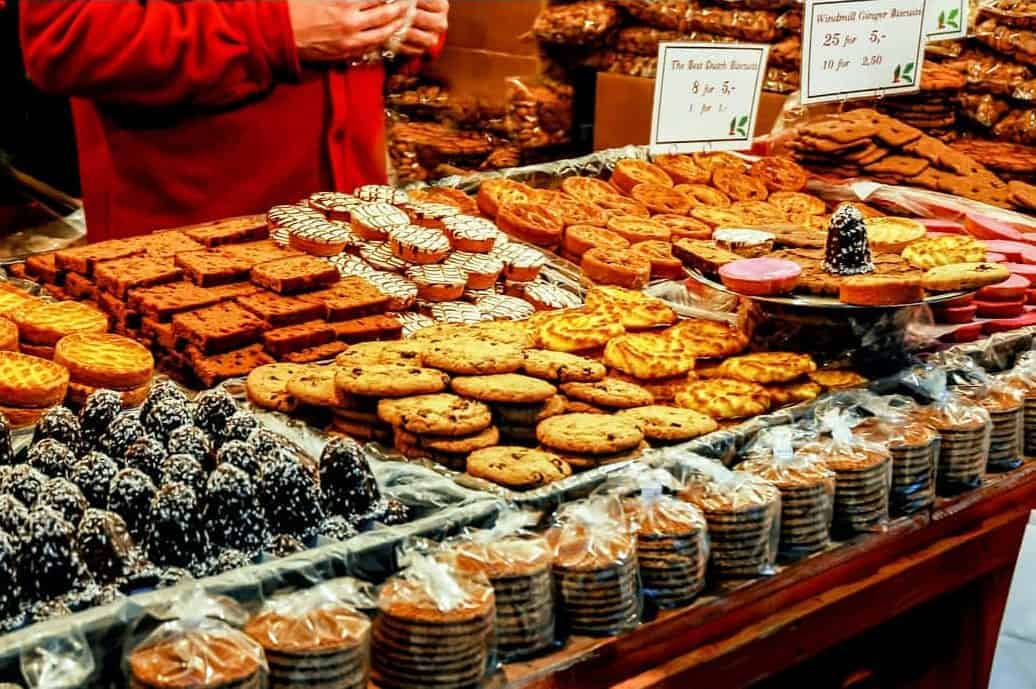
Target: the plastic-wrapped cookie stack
pixel 595 568
pixel 1023 378
pixel 672 544
pixel 915 451
pixel 434 628
pixel 518 565
pixel 743 513
pixel 807 494
pixel 316 637
pixel 1006 407
pixel 863 472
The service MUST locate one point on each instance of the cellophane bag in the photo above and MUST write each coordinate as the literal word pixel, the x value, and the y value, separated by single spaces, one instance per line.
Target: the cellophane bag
pixel 672 537
pixel 1006 407
pixel 892 421
pixel 317 636
pixel 197 647
pixel 540 112
pixel 863 475
pixel 59 661
pixel 581 23
pixel 517 563
pixel 434 626
pixel 807 489
pixel 743 513
pixel 595 567
pixel 1023 378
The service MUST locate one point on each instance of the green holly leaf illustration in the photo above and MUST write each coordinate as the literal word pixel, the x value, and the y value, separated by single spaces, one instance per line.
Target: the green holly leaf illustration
pixel 743 122
pixel 954 13
pixel 895 74
pixel 908 71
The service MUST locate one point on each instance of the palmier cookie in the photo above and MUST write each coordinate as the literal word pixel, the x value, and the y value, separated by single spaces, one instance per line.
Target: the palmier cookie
pixel 509 388
pixel 389 380
pixel 469 233
pixel 532 222
pixel 609 392
pixel 725 398
pixel 661 199
pixel 438 282
pixel 419 245
pixel 629 173
pixel 581 238
pixel 521 263
pixel 333 204
pixel 591 434
pixel 469 356
pixel 669 424
pixel 704 195
pixel 562 367
pixel 518 468
pixel 616 267
pixel 436 414
pixel 381 193
pixel 634 229
pixel 683 227
pixel 372 221
pixel 482 270
pixel 493 193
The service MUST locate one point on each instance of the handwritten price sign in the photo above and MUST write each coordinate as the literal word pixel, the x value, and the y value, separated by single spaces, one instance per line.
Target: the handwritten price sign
pixel 706 96
pixel 861 48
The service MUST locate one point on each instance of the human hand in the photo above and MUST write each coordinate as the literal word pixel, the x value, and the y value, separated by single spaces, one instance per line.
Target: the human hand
pixel 430 22
pixel 334 30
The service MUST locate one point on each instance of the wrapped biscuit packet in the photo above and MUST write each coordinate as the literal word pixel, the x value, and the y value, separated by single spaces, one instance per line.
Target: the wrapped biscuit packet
pixel 59 661
pixel 595 567
pixel 539 112
pixel 517 563
pixel 743 513
pixel 964 429
pixel 1023 378
pixel 434 627
pixel 807 494
pixel 316 636
pixel 863 475
pixel 1006 407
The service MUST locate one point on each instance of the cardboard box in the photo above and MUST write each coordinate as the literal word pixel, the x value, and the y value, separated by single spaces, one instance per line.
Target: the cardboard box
pixel 480 73
pixel 622 113
pixel 498 25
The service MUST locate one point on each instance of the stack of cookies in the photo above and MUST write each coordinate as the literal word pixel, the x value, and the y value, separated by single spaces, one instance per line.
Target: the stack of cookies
pixel 311 641
pixel 672 548
pixel 964 433
pixel 100 360
pixel 519 569
pixel 29 386
pixel 1022 379
pixel 915 451
pixel 1006 407
pixel 863 474
pixel 433 630
pixel 807 500
pixel 41 326
pixel 586 441
pixel 743 513
pixel 210 656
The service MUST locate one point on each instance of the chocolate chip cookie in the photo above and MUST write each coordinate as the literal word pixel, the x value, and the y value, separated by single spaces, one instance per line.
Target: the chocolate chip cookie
pixel 512 388
pixel 589 434
pixel 518 468
pixel 562 367
pixel 442 414
pixel 474 357
pixel 610 392
pixel 388 380
pixel 267 386
pixel 669 424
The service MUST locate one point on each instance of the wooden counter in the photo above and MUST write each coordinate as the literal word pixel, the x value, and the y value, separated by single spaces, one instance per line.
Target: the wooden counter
pixel 916 606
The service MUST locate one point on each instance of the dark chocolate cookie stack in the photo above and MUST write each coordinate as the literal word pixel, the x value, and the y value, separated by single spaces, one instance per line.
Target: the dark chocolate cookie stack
pixel 595 574
pixel 672 548
pixel 807 500
pixel 915 451
pixel 310 642
pixel 519 570
pixel 432 631
pixel 863 477
pixel 742 512
pixel 964 434
pixel 1006 409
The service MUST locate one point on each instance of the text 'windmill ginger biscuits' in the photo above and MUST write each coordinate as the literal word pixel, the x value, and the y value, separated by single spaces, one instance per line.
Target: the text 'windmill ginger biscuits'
pixel 105 361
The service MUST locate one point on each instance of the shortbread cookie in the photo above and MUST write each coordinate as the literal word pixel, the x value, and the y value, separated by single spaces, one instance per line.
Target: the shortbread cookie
pixel 511 388
pixel 45 324
pixel 473 357
pixel 592 434
pixel 669 424
pixel 28 381
pixel 610 392
pixel 267 386
pixel 387 380
pixel 767 368
pixel 517 468
pixel 315 385
pixel 106 361
pixel 438 414
pixel 725 398
pixel 964 276
pixel 562 367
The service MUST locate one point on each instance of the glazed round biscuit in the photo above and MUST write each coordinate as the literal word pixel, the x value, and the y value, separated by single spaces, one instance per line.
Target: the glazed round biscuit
pixel 562 367
pixel 49 322
pixel 610 392
pixel 389 380
pixel 511 388
pixel 725 398
pixel 104 360
pixel 518 468
pixel 473 357
pixel 704 195
pixel 669 423
pixel 315 385
pixel 767 367
pixel 403 353
pixel 440 414
pixel 28 381
pixel 8 336
pixel 648 356
pixel 594 434
pixel 267 386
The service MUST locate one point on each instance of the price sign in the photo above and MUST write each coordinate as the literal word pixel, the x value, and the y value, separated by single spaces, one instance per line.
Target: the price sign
pixel 861 48
pixel 946 19
pixel 706 96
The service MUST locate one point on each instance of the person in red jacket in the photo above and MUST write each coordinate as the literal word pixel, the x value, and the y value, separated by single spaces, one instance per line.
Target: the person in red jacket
pixel 201 109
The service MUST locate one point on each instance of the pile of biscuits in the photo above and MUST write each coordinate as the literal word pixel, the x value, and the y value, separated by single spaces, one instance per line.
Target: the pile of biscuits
pixel 964 434
pixel 914 448
pixel 1006 409
pixel 210 655
pixel 863 476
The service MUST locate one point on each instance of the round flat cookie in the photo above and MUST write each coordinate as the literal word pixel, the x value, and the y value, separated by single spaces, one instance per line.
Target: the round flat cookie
pixel 562 367
pixel 518 468
pixel 315 385
pixel 436 414
pixel 511 388
pixel 401 353
pixel 389 380
pixel 767 368
pixel 28 381
pixel 474 357
pixel 610 392
pixel 669 423
pixel 105 360
pixel 594 434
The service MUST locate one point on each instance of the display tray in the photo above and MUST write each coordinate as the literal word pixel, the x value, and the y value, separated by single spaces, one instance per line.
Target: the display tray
pixel 813 301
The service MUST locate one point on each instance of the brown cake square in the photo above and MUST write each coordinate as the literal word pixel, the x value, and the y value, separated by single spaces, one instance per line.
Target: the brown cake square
pixel 211 370
pixel 117 308
pixel 295 337
pixel 44 268
pixel 229 231
pixel 123 274
pixel 161 333
pixel 278 310
pixel 318 353
pixel 162 301
pixel 219 328
pixel 380 327
pixel 351 297
pixel 166 244
pixel 82 259
pixel 296 274
pixel 235 290
pixel 79 286
pixel 258 252
pixel 208 268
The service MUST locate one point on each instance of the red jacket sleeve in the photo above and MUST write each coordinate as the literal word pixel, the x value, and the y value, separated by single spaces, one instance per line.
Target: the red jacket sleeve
pixel 158 53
